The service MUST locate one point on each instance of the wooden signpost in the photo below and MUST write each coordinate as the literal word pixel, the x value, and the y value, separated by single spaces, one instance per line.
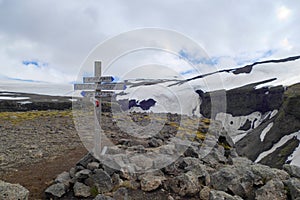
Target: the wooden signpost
pixel 95 88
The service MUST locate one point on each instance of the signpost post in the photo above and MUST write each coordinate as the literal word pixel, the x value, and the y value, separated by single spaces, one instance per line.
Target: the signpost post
pixel 93 87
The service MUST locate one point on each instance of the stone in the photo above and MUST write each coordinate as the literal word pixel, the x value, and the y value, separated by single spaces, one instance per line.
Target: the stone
pixel 121 194
pixel 293 170
pixel 56 190
pixel 204 193
pixel 93 165
pixel 189 162
pixel 83 174
pixel 72 172
pixel 293 186
pixel 13 191
pixel 141 162
pixel 191 152
pixel 220 195
pixel 155 142
pixel 240 161
pixel 238 180
pixel 88 158
pixel 215 158
pixel 116 180
pixel 64 178
pixel 264 173
pixel 274 189
pixel 81 190
pixel 185 184
pixel 102 197
pixel 151 182
pixel 101 180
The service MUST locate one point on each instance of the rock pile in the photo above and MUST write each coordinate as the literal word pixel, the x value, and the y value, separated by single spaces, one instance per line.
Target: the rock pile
pixel 219 175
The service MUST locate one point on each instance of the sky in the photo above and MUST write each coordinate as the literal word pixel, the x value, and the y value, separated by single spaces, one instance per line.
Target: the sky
pixel 47 41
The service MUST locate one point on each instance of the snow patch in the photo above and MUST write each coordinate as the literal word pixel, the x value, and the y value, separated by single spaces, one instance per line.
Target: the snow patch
pixel 274 112
pixel 24 102
pixel 13 98
pixel 233 124
pixel 295 156
pixel 265 131
pixel 281 142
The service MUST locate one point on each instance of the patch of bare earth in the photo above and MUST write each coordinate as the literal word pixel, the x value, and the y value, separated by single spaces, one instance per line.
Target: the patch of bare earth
pixel 36 146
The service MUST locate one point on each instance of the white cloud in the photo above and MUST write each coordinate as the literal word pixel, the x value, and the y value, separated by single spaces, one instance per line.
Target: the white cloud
pixel 283 13
pixel 63 33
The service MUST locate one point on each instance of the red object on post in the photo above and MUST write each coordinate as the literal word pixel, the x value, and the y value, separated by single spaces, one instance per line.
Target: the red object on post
pixel 97 103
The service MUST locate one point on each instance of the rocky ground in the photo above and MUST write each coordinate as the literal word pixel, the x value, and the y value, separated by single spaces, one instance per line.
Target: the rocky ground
pixel 36 146
pixel 219 174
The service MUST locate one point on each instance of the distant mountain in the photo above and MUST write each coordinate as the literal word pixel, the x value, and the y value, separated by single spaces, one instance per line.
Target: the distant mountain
pixel 262 116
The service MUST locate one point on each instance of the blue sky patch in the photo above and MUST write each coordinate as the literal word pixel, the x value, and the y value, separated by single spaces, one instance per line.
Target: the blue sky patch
pixel 198 60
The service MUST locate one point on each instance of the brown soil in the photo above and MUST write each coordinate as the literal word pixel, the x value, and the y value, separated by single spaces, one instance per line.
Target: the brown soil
pixel 37 146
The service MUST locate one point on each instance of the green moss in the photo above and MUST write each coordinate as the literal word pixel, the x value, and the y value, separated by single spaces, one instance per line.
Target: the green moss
pixel 18 117
pixel 94 191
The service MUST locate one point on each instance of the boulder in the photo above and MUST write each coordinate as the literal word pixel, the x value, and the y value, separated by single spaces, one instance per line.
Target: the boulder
pixel 293 186
pixel 64 178
pixel 101 180
pixel 56 190
pixel 273 189
pixel 238 180
pixel 13 191
pixel 185 184
pixel 81 190
pixel 293 170
pixel 151 182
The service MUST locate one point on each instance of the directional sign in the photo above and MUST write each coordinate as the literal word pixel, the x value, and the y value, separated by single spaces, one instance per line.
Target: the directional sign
pixel 111 86
pixel 97 94
pixel 85 86
pixel 98 79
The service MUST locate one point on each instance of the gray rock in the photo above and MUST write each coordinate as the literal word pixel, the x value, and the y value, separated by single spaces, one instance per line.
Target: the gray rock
pixel 56 190
pixel 239 180
pixel 293 170
pixel 110 169
pixel 215 158
pixel 88 158
pixel 189 162
pixel 293 185
pixel 264 173
pixel 102 197
pixel 240 161
pixel 155 142
pixel 274 189
pixel 81 190
pixel 13 191
pixel 204 193
pixel 185 184
pixel 151 182
pixel 72 172
pixel 101 180
pixel 141 162
pixel 93 165
pixel 121 194
pixel 83 174
pixel 64 178
pixel 116 180
pixel 220 195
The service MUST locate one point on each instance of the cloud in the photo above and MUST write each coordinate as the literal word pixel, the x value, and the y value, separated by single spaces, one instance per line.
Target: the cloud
pixel 283 13
pixel 63 33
